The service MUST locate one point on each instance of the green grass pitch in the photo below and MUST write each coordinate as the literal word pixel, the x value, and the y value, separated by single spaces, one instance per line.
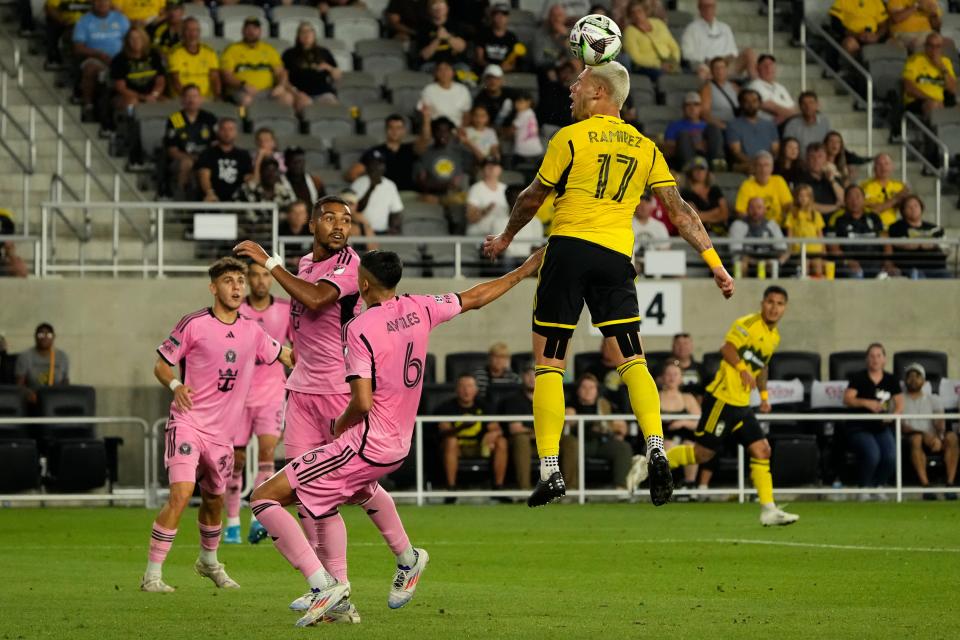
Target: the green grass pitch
pixel 846 570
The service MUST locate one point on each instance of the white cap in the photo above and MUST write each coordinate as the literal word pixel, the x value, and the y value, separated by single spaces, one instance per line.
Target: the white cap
pixel 493 70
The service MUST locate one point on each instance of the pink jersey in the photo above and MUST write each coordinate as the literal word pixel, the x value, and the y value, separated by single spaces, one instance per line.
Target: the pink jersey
pixel 316 334
pixel 217 361
pixel 268 379
pixel 387 343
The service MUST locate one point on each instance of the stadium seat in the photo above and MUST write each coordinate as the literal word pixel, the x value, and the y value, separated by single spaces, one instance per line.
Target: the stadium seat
pixel 887 76
pixel 217 44
pixel 373 117
pixel 679 19
pixel 222 109
pixel 248 142
pixel 231 17
pixel 656 360
pixel 941 117
pixel 496 393
pixel 151 120
pixel 795 460
pixel 287 21
pixel 433 395
pixel 280 44
pixel 12 406
pixel 328 121
pixel 655 118
pixel 585 361
pixel 333 179
pixel 934 362
pixel 429 369
pixel 711 364
pixel 533 6
pixel 381 57
pixel 208 28
pixel 281 118
pixel 523 82
pixel 425 228
pixel 460 362
pixel 844 363
pixel 358 88
pixel 66 401
pixel 19 465
pixel 513 178
pixel 77 464
pixel 317 154
pixel 804 365
pixel 405 88
pixel 642 91
pixel 352 24
pixel 521 359
pixel 673 88
pixel 376 7
pixel 348 149
pixel 418 210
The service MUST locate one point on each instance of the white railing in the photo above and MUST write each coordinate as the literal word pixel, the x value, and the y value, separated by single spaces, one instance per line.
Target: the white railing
pixel 907 148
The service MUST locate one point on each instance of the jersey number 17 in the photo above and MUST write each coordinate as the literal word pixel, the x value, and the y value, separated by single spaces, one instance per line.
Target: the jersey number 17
pixel 604 160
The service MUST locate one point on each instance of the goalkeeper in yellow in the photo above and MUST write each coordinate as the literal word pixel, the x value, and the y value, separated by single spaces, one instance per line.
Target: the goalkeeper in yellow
pixel 596 170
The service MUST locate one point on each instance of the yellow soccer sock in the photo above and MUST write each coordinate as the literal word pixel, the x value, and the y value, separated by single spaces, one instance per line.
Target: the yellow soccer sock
pixel 644 398
pixel 762 480
pixel 549 410
pixel 681 456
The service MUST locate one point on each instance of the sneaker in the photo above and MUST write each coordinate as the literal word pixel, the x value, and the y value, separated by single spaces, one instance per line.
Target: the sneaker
pixel 321 601
pixel 231 535
pixel 948 495
pixel 930 496
pixel 302 603
pixel 217 573
pixel 257 532
pixel 661 479
pixel 547 491
pixel 406 580
pixel 777 517
pixel 155 585
pixel 637 474
pixel 343 613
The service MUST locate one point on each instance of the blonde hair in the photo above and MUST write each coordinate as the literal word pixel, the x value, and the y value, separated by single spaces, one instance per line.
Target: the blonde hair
pixel 615 80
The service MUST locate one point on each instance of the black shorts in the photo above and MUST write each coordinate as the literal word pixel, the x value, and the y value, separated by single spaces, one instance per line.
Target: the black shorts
pixel 720 420
pixel 576 271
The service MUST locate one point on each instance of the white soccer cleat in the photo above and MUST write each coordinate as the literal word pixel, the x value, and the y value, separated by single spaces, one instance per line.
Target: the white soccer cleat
pixel 343 613
pixel 155 585
pixel 303 602
pixel 406 580
pixel 777 517
pixel 637 474
pixel 322 601
pixel 217 573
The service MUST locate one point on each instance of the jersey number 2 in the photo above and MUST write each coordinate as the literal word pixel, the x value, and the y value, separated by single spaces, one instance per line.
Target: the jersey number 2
pixel 603 159
pixel 416 364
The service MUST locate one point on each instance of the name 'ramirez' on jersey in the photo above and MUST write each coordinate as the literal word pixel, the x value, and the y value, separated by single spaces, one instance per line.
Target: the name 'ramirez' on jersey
pixel 599 168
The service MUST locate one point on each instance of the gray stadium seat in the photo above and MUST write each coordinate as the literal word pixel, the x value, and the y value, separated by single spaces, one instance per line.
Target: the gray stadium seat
pixel 357 88
pixel 280 44
pixel 151 120
pixel 281 118
pixel 804 365
pixel 217 44
pixel 287 20
pixel 333 179
pixel 381 57
pixel 673 88
pixel 523 82
pixel 373 117
pixel 231 19
pixel 208 28
pixel 405 88
pixel 352 24
pixel 940 117
pixel 418 210
pixel 460 362
pixel 642 91
pixel 340 51
pixel 533 6
pixel 511 178
pixel 327 121
pixel 222 109
pixel 348 149
pixel 677 19
pixel 317 154
pixel 887 76
pixel 655 119
pixel 19 465
pixel 885 51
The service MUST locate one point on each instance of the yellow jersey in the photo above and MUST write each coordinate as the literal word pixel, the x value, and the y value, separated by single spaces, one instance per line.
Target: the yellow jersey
pixel 599 168
pixel 776 196
pixel 859 16
pixel 917 22
pixel 70 10
pixel 194 68
pixel 805 224
pixel 253 65
pixel 755 343
pixel 929 79
pixel 140 10
pixel 874 193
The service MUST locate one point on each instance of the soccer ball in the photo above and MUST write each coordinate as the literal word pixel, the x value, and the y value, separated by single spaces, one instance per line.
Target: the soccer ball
pixel 595 39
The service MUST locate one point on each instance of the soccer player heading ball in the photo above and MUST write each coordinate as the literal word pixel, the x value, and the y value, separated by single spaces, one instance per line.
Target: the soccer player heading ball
pixel 597 169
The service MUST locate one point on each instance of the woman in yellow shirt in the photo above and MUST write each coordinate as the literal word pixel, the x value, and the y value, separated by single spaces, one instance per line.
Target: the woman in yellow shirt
pixel 804 221
pixel 649 43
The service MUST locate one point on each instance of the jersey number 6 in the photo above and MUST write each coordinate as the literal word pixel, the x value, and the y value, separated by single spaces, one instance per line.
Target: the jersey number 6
pixel 412 363
pixel 603 159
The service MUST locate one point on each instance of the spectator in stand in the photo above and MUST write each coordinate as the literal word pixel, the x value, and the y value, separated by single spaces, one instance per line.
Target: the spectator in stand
pixel 252 69
pixel 11 265
pixel 926 434
pixel 923 259
pixel 470 437
pixel 42 366
pixel 444 97
pixel 911 21
pixel 438 40
pixel 266 147
pixel 573 9
pixel 97 38
pixel 165 34
pixel 553 111
pixel 61 16
pixel 606 439
pixel 378 196
pixel 771 189
pixel 843 160
pixel 137 72
pixel 706 197
pixel 674 400
pixel 804 221
pixel 822 177
pixel 874 391
pixel 444 166
pixel 855 222
pixel 551 42
pixel 756 224
pixel 788 164
pixel 398 156
pixel 649 233
pixel 692 374
pixel 882 193
pixel 706 38
pixel 859 22
pixel 649 44
pixel 493 97
pixel 496 372
pixel 527 146
pixel 141 12
pixel 810 125
pixel 719 96
pixel 312 69
pixel 404 17
pixel 478 136
pixel 222 168
pixel 929 79
pixel 749 134
pixel 296 222
pixel 306 186
pixel 776 103
pixel 487 209
pixel 497 44
pixel 8 366
pixel 189 132
pixel 691 136
pixel 267 185
pixel 359 225
pixel 193 62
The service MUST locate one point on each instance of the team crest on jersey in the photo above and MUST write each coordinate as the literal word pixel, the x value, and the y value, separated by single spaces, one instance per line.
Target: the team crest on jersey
pixel 230 356
pixel 185 449
pixel 227 379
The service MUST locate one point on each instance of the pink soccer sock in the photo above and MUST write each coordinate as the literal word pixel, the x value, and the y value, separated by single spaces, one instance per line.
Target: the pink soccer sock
pixel 232 499
pixel 287 536
pixel 161 539
pixel 209 536
pixel 331 544
pixel 306 522
pixel 383 512
pixel 264 471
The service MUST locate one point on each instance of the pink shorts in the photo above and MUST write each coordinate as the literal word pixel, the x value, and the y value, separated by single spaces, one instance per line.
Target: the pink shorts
pixel 266 420
pixel 190 457
pixel 327 477
pixel 308 420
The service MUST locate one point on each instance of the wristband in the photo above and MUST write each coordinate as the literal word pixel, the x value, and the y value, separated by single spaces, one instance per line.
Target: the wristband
pixel 711 258
pixel 741 366
pixel 764 396
pixel 273 261
pixel 174 384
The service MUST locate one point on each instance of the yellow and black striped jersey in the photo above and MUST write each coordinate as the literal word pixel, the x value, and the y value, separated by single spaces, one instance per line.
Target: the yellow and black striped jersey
pixel 755 343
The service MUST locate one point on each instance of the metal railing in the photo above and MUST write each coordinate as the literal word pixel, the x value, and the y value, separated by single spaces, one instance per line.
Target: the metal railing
pixel 908 149
pixel 145 495
pixel 27 166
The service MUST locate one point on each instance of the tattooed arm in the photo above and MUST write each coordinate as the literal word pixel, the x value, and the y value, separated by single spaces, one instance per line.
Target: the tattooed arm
pixel 527 205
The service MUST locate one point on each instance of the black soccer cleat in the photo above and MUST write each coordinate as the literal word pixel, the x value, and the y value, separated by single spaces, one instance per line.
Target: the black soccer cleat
pixel 661 479
pixel 547 491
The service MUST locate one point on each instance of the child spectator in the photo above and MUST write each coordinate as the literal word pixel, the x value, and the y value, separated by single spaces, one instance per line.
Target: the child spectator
pixel 479 137
pixel 527 147
pixel 804 221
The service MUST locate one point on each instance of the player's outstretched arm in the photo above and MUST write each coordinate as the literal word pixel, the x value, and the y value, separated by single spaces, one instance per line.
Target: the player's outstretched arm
pixel 312 296
pixel 486 292
pixel 181 392
pixel 688 223
pixel 528 203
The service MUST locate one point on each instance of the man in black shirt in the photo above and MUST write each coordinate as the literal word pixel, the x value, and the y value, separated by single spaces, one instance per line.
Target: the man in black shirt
pixel 553 109
pixel 189 132
pixel 827 190
pixel 497 44
pixel 222 168
pixel 493 97
pixel 404 17
pixel 438 40
pixel 398 156
pixel 919 260
pixel 858 261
